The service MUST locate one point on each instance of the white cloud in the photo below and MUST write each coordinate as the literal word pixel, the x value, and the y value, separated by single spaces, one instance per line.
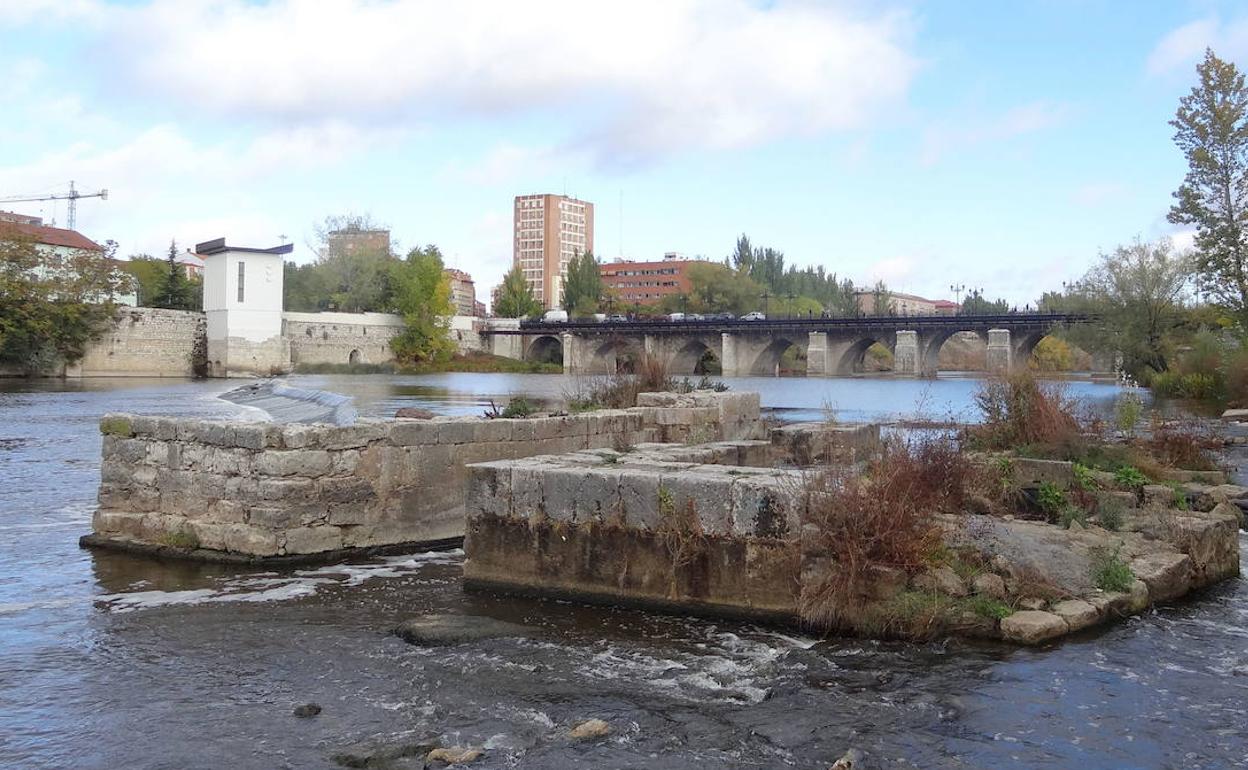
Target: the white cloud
pixel 1181 48
pixel 161 174
pixel 639 78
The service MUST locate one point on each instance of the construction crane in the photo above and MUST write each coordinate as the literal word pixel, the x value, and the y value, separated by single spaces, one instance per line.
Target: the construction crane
pixel 72 197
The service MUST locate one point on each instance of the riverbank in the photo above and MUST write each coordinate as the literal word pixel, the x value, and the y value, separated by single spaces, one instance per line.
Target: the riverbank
pixel 478 363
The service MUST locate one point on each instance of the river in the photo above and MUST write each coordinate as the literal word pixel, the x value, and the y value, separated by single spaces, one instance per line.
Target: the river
pixel 114 661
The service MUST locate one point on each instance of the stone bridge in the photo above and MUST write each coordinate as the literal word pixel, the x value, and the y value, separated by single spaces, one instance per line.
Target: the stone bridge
pixel 829 346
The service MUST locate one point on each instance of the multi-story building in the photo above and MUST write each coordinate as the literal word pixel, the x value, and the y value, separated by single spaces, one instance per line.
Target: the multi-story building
pixel 463 292
pixel 58 249
pixel 549 231
pixel 898 304
pixel 645 283
pixel 350 240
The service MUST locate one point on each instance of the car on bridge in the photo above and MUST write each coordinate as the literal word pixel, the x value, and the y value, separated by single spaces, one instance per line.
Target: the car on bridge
pixel 755 316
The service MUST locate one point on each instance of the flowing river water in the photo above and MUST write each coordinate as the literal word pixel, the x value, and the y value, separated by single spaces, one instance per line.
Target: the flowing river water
pixel 116 661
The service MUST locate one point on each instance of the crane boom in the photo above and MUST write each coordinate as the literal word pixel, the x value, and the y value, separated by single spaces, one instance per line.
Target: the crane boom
pixel 72 197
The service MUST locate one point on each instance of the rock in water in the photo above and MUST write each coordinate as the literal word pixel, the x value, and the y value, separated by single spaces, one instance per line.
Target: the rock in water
pixel 442 630
pixel 308 710
pixel 852 760
pixel 454 755
pixel 589 729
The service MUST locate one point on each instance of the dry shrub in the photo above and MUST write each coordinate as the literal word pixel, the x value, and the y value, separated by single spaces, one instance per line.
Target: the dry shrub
pixel 1184 445
pixel 619 391
pixel 880 518
pixel 1017 410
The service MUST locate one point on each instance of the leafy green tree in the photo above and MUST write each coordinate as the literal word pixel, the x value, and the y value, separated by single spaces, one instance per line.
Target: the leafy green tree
pixel 421 292
pixel 149 272
pixel 716 288
pixel 1138 291
pixel 51 304
pixel 305 289
pixel 1211 128
pixel 977 304
pixel 356 279
pixel 583 288
pixel 515 299
pixel 881 300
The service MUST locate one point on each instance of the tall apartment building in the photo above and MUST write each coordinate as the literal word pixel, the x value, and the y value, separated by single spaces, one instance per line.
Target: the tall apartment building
pixel 463 292
pixel 549 231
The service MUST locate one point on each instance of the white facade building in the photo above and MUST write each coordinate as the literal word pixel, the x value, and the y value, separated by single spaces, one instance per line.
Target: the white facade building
pixel 243 305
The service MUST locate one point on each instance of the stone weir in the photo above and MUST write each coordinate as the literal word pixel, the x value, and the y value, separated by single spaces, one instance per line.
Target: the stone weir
pixel 717 529
pixel 248 491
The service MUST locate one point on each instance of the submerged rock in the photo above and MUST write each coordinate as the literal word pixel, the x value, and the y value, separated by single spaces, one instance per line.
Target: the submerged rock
pixel 454 755
pixel 589 729
pixel 443 630
pixel 307 710
pixel 414 413
pixel 382 755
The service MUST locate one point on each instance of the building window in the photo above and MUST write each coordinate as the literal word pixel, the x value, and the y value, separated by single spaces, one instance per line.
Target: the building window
pixel 242 275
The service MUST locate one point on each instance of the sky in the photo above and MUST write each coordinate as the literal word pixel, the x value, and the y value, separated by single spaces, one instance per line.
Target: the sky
pixel 990 145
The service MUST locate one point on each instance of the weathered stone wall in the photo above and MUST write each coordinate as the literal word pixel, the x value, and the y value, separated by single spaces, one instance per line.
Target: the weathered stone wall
pixel 144 342
pixel 262 490
pixel 359 338
pixel 703 528
pixel 340 338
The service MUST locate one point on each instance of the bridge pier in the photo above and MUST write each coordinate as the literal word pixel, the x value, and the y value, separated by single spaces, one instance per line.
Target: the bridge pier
pixel 817 355
pixel 1000 353
pixel 907 354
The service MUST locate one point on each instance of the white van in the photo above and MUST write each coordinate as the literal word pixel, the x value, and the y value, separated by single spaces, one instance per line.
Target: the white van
pixel 555 317
pixel 675 316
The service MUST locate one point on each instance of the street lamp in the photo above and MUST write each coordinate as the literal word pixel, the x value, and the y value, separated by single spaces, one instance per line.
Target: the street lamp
pixel 957 290
pixel 790 295
pixel 764 297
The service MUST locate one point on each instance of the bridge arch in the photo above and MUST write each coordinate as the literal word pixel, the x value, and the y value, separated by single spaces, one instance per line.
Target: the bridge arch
pixel 547 349
pixel 935 341
pixel 616 355
pixel 853 355
pixel 696 356
pixel 767 362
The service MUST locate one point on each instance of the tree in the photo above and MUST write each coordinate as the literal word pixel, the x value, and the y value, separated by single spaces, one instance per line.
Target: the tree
pixel 515 299
pixel 175 292
pixel 149 272
pixel 353 271
pixel 881 300
pixel 1138 290
pixel 52 304
pixel 716 288
pixel 421 292
pixel 976 304
pixel 582 289
pixel 1211 128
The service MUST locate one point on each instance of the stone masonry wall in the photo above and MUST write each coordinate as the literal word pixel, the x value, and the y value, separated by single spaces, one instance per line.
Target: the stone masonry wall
pixel 261 490
pixel 144 342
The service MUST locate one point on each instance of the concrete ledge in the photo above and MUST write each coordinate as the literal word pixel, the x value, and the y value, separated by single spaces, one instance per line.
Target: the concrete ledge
pixel 157 551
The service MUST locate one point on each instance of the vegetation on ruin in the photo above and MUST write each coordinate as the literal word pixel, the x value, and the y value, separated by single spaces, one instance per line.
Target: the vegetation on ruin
pixel 518 407
pixel 1110 572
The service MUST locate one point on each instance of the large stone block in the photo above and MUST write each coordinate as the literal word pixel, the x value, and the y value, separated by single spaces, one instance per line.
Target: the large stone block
pixel 242 538
pixel 298 436
pixel 219 434
pixel 1167 575
pixel 526 491
pixel 313 539
pixel 639 498
pixel 355 436
pixel 491 431
pixel 489 490
pixel 709 495
pixel 308 463
pixel 1033 627
pixel 459 431
pixel 287 489
pixel 767 506
pixel 118 523
pixel 414 432
pixel 272 517
pixel 345 490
